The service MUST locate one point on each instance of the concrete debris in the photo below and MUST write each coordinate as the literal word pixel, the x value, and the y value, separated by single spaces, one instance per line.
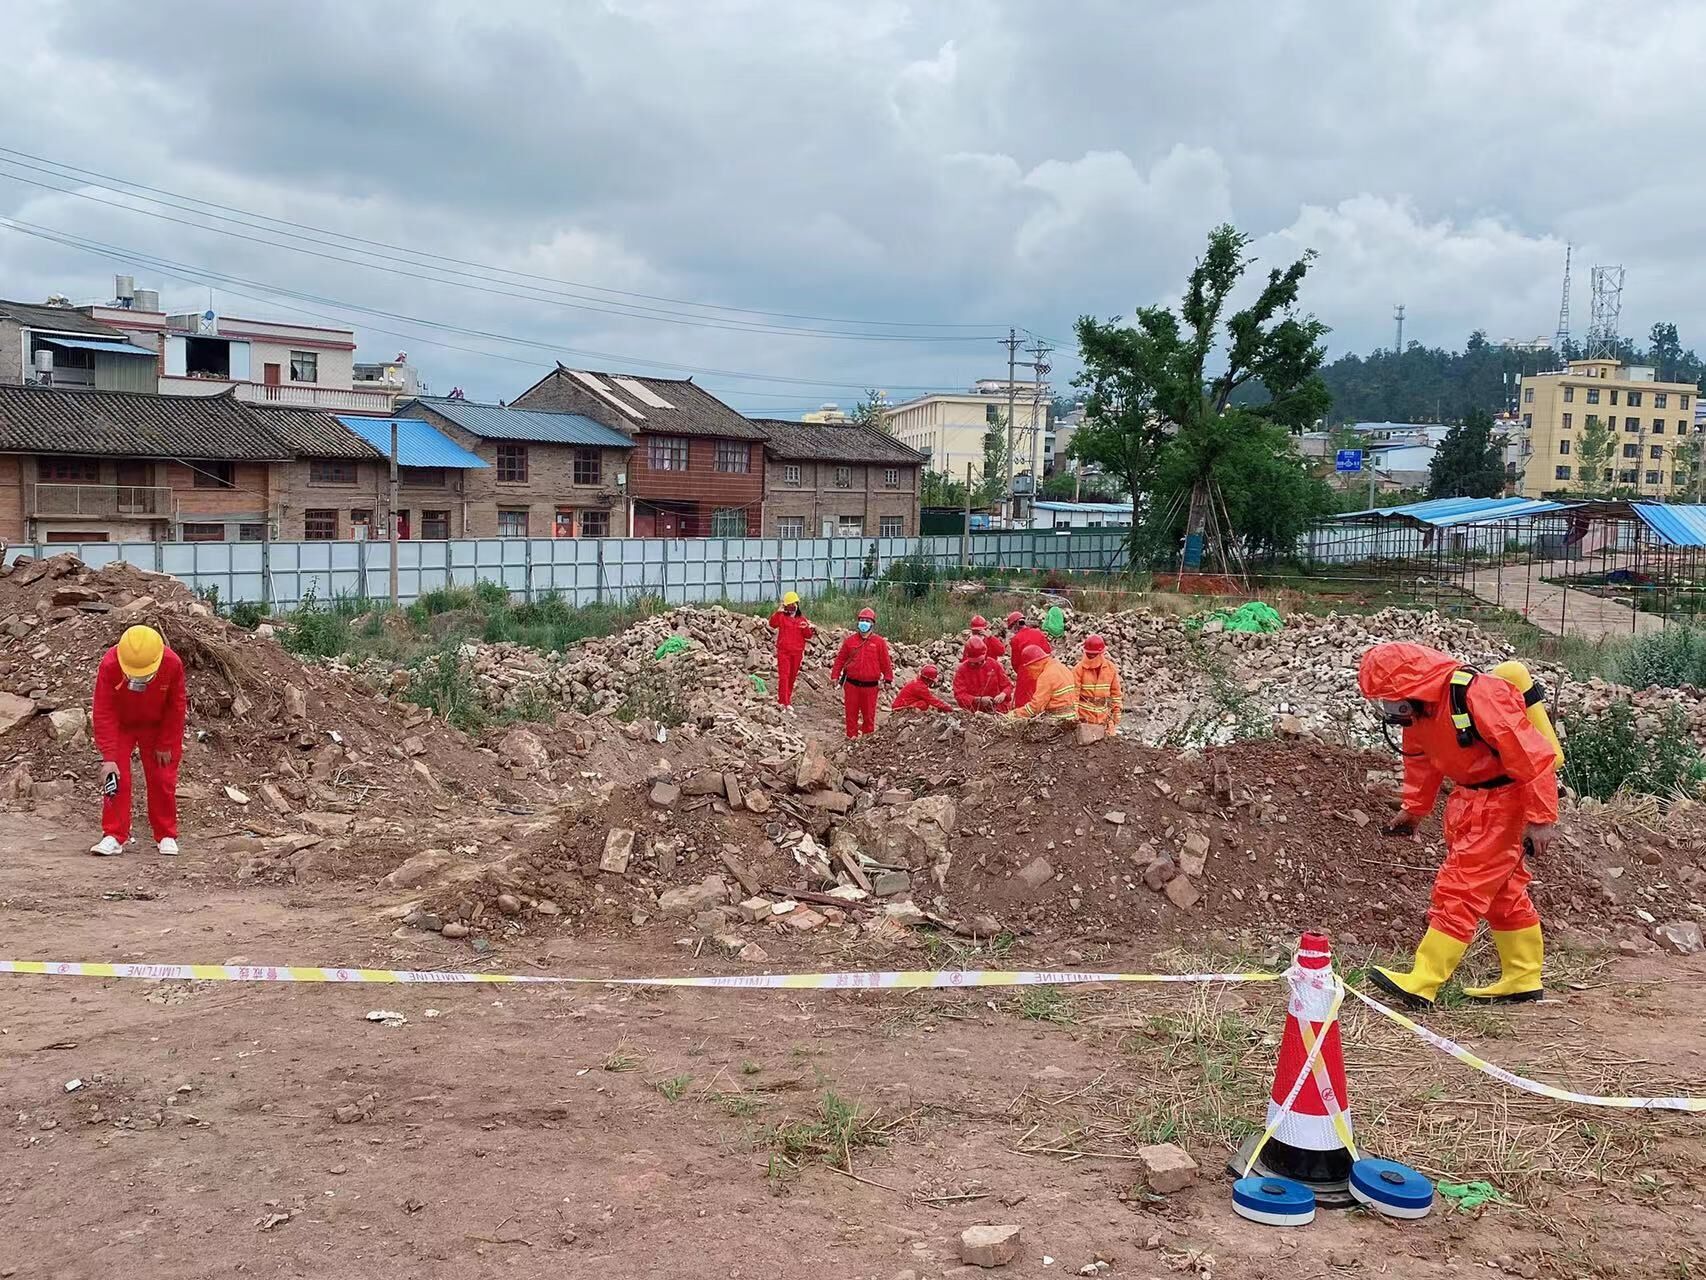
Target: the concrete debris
pixel 689 900
pixel 236 796
pixel 1159 873
pixel 14 710
pixel 703 784
pixel 990 1246
pixel 1182 893
pixel 1679 937
pixel 1167 1168
pixel 885 884
pixel 508 904
pixel 665 795
pixel 755 910
pixel 424 866
pixel 456 929
pixel 803 919
pixel 295 703
pixel 68 723
pixel 522 749
pixel 618 851
pixel 832 801
pixel 1037 873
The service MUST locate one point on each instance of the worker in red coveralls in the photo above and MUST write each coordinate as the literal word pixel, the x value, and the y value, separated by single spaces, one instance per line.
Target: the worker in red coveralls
pixel 1019 638
pixel 979 682
pixel 1489 735
pixel 792 631
pixel 860 665
pixel 919 694
pixel 979 626
pixel 139 705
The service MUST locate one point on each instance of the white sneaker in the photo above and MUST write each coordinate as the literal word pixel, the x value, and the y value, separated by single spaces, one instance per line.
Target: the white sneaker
pixel 107 848
pixel 168 848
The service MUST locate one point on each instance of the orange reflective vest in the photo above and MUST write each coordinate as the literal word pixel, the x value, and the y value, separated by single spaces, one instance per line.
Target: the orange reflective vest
pixel 1054 695
pixel 1098 691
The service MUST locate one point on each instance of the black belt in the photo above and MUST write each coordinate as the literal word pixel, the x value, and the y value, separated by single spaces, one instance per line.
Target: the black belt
pixel 863 684
pixel 1491 784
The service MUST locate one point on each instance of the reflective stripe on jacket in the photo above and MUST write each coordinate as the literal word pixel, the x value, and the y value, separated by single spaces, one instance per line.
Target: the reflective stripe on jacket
pixel 1055 696
pixel 1098 691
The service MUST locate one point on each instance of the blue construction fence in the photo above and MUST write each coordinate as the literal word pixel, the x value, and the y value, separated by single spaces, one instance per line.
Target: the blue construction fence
pixel 585 571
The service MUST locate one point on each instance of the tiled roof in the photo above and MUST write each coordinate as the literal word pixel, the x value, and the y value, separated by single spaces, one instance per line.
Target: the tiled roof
pixel 834 442
pixel 500 422
pixel 35 316
pixel 130 424
pixel 636 402
pixel 418 443
pixel 313 433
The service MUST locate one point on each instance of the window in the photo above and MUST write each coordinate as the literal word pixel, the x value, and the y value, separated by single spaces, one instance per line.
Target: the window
pixel 666 453
pixel 304 366
pixel 421 477
pixel 435 525
pixel 1634 399
pixel 849 527
pixel 1608 475
pixel 844 477
pixel 734 457
pixel 1593 395
pixel 1528 395
pixel 1627 477
pixel 512 464
pixel 362 517
pixel 215 475
pixel 589 467
pixel 1631 451
pixel 1568 419
pixel 251 533
pixel 891 478
pixel 1658 426
pixel 790 526
pixel 1682 426
pixel 1632 426
pixel 69 470
pixel 728 522
pixel 1560 473
pixel 791 474
pixel 319 526
pixel 1656 452
pixel 512 522
pixel 1569 394
pixel 331 471
pixel 891 527
pixel 1528 422
pixel 1661 399
pixel 202 532
pixel 1614 395
pixel 595 524
pixel 991 415
pixel 1652 477
pixel 1682 401
pixel 1563 446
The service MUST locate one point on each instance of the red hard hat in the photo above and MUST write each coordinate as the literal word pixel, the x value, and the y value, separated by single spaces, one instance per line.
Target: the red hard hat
pixel 1094 644
pixel 1015 618
pixel 976 647
pixel 1032 653
pixel 979 622
pixel 928 671
pixel 867 615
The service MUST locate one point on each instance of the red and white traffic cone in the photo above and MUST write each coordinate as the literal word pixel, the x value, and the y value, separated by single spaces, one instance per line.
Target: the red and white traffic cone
pixel 1311 1140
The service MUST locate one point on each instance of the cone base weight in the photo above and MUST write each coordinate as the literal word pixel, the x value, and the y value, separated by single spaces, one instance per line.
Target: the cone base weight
pixel 1273 1202
pixel 1330 1193
pixel 1391 1189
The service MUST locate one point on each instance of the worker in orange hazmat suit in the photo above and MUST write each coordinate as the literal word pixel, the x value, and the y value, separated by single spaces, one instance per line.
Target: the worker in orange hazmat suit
pixel 1098 685
pixel 1054 693
pixel 1496 746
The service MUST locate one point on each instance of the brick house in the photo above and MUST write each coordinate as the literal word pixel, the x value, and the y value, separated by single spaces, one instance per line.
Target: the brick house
pixel 120 466
pixel 338 484
pixel 838 480
pixel 697 468
pixel 548 475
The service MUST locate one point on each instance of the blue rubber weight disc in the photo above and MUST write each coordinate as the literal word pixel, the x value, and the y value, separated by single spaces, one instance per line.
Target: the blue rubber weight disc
pixel 1390 1188
pixel 1276 1202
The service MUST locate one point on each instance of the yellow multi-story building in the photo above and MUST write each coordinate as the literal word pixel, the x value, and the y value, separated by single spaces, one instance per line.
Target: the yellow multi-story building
pixel 1654 447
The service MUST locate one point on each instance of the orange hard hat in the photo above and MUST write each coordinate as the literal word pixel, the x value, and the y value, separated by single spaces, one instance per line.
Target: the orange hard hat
pixel 867 614
pixel 1094 644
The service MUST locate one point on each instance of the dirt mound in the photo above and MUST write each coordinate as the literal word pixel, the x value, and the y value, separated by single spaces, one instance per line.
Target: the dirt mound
pixel 303 761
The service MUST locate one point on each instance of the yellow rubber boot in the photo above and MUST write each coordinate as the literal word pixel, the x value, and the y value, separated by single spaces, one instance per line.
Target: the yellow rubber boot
pixel 1437 957
pixel 1520 954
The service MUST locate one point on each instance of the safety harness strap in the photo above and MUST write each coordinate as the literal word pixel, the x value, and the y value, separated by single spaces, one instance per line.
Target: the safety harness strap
pixel 1461 720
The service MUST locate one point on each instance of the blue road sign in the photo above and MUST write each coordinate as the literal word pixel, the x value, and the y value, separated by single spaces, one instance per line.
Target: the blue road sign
pixel 1348 460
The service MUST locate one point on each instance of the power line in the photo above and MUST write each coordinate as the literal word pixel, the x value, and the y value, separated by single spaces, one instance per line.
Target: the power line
pixel 238 285
pixel 415 254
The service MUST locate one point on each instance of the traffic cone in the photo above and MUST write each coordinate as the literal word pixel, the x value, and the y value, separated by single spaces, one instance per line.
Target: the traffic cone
pixel 1311 1140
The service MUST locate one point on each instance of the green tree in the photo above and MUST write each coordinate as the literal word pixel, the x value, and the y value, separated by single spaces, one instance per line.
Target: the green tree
pixel 939 489
pixel 1468 463
pixel 1179 436
pixel 872 411
pixel 1664 351
pixel 1686 459
pixel 996 475
pixel 1065 486
pixel 1593 456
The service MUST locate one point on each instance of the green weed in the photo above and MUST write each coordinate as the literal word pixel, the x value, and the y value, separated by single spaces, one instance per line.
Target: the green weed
pixel 674 1087
pixel 1608 754
pixel 831 1135
pixel 1046 1004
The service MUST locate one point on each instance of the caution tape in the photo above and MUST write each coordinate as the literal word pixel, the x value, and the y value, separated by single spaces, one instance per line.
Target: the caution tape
pixel 1453 1049
pixel 890 980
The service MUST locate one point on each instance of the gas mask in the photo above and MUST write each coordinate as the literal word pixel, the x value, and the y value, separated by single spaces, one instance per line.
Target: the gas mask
pixel 1400 711
pixel 136 685
pixel 865 628
pixel 792 610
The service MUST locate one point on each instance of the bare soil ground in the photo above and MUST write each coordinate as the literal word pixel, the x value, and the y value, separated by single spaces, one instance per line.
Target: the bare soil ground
pixel 620 1132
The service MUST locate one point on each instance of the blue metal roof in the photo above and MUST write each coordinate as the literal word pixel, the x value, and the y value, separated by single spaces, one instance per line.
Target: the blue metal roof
pixel 1679 526
pixel 117 348
pixel 419 444
pixel 1446 512
pixel 1089 508
pixel 495 422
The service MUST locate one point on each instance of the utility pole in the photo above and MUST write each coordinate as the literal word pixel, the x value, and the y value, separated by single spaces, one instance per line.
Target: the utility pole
pixel 1398 315
pixel 1012 342
pixel 965 529
pixel 392 522
pixel 1039 418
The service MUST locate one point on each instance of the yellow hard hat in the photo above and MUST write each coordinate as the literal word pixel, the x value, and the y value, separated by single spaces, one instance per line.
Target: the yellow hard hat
pixel 790 597
pixel 139 652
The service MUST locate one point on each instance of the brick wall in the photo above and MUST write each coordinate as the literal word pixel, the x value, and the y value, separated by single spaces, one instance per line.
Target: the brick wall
pixel 817 498
pixel 11 351
pixel 295 493
pixel 11 499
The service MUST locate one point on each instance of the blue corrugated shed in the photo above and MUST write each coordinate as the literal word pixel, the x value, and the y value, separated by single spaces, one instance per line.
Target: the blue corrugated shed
pixel 495 422
pixel 419 444
pixel 1445 512
pixel 1678 526
pixel 1088 508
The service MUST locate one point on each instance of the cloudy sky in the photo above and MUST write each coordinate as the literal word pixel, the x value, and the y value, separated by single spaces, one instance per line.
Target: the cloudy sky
pixel 532 181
